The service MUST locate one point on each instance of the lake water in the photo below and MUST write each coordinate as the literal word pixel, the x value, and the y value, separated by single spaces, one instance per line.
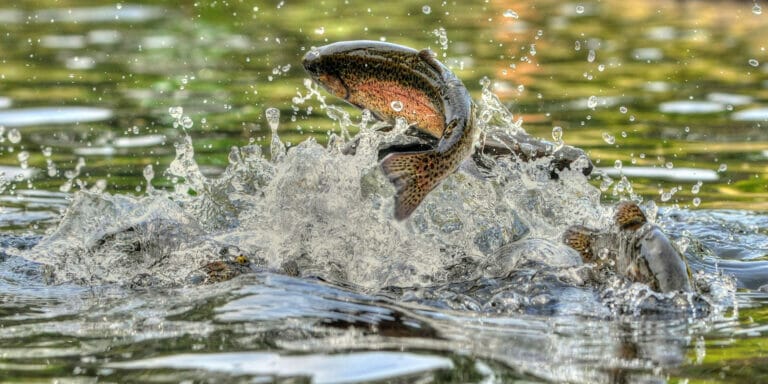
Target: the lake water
pixel 142 140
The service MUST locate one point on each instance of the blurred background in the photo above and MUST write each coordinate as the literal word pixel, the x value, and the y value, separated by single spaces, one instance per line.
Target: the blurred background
pixel 673 94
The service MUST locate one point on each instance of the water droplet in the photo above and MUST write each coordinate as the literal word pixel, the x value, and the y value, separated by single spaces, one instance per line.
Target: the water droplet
pixel 319 30
pixel 754 62
pixel 186 122
pixel 149 173
pixel 608 138
pixel 47 151
pixel 601 67
pixel 591 55
pixel 757 10
pixel 396 105
pixel 577 46
pixel 23 158
pixel 723 167
pixel 557 133
pixel 579 9
pixel 14 136
pixel 511 14
pixel 426 9
pixel 176 112
pixel 623 109
pixel 617 164
pixel 592 102
pixel 696 201
pixel 696 188
pixel 273 118
pixel 669 165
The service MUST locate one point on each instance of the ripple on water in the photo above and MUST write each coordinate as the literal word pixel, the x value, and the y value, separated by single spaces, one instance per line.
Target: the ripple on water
pixel 751 114
pixel 674 174
pixel 690 107
pixel 23 117
pixel 321 368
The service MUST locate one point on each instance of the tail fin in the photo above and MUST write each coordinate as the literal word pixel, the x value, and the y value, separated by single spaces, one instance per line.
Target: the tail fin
pixel 414 175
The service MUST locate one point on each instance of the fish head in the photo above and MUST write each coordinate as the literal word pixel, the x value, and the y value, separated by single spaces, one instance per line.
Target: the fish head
pixel 325 71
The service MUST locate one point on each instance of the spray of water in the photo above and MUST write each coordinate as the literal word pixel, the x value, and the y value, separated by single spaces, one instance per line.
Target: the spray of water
pixel 328 214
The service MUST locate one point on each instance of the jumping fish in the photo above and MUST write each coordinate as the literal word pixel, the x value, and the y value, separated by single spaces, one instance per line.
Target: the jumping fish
pixel 395 81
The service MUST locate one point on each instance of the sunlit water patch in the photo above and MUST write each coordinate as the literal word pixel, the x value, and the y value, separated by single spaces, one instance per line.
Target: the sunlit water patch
pixel 691 107
pixel 675 174
pixel 23 117
pixel 751 114
pixel 125 13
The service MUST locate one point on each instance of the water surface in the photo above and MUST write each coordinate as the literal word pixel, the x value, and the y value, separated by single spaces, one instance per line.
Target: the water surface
pixel 125 196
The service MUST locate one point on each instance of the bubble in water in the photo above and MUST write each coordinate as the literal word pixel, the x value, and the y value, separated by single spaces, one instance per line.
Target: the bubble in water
pixel 696 201
pixel 754 62
pixel 591 55
pixel 623 109
pixel 319 30
pixel 47 151
pixel 511 14
pixel 579 9
pixel 723 167
pixel 14 136
pixel 396 105
pixel 186 122
pixel 608 138
pixel 273 118
pixel 592 102
pixel 577 46
pixel 176 112
pixel 601 67
pixel 669 165
pixel 426 9
pixel 756 9
pixel 617 164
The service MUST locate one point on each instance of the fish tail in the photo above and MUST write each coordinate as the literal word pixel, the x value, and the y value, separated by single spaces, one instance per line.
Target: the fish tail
pixel 414 175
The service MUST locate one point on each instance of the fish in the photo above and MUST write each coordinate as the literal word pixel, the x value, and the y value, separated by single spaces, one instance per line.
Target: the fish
pixel 635 248
pixel 393 81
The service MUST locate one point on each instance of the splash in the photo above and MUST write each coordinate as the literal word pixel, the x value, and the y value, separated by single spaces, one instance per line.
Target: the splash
pixel 315 211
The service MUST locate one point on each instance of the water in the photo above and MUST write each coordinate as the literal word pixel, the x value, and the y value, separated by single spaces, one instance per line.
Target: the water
pixel 161 138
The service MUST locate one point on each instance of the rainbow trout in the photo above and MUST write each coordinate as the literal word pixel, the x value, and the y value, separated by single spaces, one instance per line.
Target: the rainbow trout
pixel 395 81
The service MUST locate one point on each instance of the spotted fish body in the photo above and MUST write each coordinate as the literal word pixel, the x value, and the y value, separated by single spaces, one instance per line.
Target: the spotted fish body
pixel 636 249
pixel 394 81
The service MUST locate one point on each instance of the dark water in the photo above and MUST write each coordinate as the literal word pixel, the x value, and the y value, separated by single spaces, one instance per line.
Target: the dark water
pixel 671 94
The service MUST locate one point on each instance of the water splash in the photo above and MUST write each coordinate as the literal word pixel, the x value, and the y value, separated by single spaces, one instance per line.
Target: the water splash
pixel 315 211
